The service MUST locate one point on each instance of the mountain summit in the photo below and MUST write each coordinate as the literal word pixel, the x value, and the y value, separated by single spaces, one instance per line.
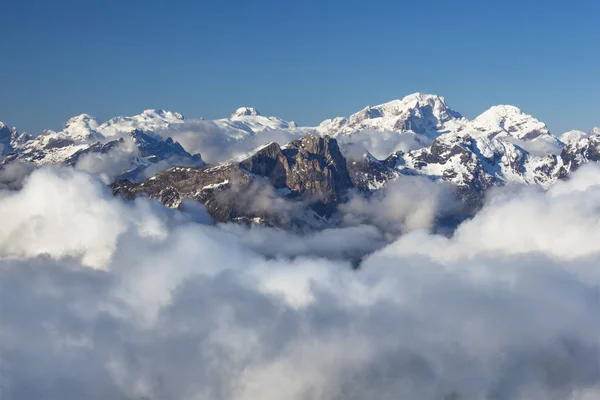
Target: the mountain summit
pixel 506 120
pixel 245 112
pixel 423 114
pixel 316 166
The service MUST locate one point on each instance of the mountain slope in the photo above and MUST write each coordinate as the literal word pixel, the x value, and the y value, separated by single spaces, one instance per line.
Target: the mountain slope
pixel 423 114
pixel 81 144
pixel 273 187
pixel 310 175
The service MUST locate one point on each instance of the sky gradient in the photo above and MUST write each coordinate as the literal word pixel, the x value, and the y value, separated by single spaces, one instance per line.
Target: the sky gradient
pixel 299 60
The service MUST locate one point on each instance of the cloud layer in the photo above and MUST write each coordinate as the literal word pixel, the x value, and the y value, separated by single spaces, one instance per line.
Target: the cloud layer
pixel 104 299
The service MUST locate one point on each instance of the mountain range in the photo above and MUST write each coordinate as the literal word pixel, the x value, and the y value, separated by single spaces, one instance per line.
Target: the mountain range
pixel 299 175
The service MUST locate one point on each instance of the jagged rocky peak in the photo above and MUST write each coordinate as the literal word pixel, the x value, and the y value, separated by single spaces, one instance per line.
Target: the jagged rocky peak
pixel 4 129
pixel 418 103
pixel 320 168
pixel 424 114
pixel 368 173
pixel 309 172
pixel 312 167
pixel 245 112
pixel 154 148
pixel 574 136
pixel 421 103
pixel 508 121
pixel 6 136
pixel 578 152
pixel 82 126
pixel 83 119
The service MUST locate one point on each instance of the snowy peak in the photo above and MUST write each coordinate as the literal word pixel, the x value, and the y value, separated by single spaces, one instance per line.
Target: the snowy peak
pixel 161 114
pixel 508 121
pixel 8 138
pixel 4 129
pixel 245 112
pixel 149 120
pixel 573 136
pixel 5 138
pixel 83 119
pixel 421 102
pixel 424 114
pixel 423 107
pixel 247 121
pixel 81 127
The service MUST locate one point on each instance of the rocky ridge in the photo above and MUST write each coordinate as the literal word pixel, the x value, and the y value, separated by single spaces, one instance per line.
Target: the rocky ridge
pixel 302 182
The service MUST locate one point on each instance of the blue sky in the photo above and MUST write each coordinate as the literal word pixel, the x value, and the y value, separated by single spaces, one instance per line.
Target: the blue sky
pixel 299 60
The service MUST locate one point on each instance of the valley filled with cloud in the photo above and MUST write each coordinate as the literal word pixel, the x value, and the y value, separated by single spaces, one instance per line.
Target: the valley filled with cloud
pixel 104 298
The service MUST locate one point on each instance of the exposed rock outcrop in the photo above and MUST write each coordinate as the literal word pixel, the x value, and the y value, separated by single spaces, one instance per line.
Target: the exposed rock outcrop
pixel 310 171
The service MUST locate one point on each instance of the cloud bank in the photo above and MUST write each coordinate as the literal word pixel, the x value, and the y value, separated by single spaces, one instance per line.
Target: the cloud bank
pixel 216 145
pixel 101 299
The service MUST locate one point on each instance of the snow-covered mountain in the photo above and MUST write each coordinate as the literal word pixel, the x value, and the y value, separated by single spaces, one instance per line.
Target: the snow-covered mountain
pixel 502 145
pixel 422 114
pixel 507 121
pixel 115 148
pixel 5 139
pixel 424 117
pixel 510 124
pixel 118 139
pixel 573 136
pixel 248 121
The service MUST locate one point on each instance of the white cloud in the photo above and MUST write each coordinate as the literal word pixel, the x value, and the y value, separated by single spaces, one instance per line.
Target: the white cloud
pixel 13 174
pixel 405 204
pixel 180 310
pixel 62 213
pixel 216 144
pixel 380 143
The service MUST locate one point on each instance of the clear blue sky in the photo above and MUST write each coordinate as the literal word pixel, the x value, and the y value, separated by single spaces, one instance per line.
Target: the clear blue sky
pixel 302 60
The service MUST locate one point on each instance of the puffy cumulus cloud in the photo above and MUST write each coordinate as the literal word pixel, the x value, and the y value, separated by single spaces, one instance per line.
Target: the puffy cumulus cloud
pixel 183 310
pixel 541 146
pixel 125 161
pixel 111 164
pixel 14 173
pixel 217 144
pixel 62 213
pixel 380 144
pixel 561 222
pixel 344 243
pixel 405 204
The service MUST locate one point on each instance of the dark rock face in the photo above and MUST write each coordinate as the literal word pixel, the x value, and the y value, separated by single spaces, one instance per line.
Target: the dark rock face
pixel 462 161
pixel 6 135
pixel 317 170
pixel 278 186
pixel 311 168
pixel 369 173
pixel 311 171
pixel 58 143
pixel 218 188
pixel 101 148
pixel 155 149
pixel 151 148
pixel 269 162
pixel 574 155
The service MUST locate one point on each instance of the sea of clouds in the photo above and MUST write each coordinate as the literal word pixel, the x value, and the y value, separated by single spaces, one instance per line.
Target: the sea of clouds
pixel 106 299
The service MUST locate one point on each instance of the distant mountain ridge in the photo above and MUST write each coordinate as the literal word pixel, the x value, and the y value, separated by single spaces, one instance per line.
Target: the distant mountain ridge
pixel 502 145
